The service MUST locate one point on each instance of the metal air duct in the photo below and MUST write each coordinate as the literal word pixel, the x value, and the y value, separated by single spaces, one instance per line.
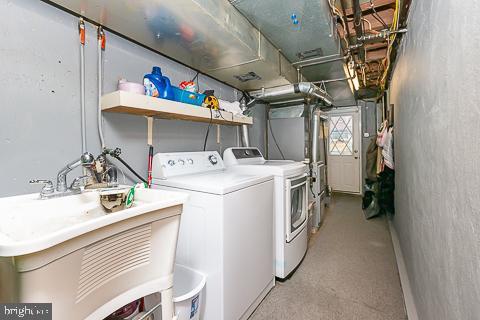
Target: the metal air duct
pixel 245 136
pixel 208 35
pixel 306 33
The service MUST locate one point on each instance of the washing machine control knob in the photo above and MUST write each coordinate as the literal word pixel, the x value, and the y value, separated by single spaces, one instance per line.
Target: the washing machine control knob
pixel 190 161
pixel 171 163
pixel 181 162
pixel 213 160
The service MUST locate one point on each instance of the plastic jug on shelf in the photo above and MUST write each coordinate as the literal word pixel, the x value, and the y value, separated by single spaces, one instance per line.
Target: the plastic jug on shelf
pixel 157 85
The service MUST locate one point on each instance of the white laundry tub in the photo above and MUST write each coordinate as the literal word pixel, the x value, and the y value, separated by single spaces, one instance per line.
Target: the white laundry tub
pixel 68 252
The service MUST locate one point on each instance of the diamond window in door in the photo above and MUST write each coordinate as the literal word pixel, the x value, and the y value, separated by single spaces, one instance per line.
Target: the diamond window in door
pixel 340 135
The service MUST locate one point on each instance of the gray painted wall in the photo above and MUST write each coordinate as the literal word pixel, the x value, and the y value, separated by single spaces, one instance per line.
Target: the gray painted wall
pixel 436 95
pixel 40 103
pixel 290 136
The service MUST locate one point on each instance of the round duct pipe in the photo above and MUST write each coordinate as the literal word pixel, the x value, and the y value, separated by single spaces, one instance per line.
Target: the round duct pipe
pixel 245 136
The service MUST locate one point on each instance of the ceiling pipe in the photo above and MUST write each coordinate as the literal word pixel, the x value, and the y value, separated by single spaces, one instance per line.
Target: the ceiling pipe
pixel 320 60
pixel 333 80
pixel 344 6
pixel 358 25
pixel 382 35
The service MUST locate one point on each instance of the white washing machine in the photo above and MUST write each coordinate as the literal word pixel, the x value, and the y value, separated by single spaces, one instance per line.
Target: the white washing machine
pixel 226 229
pixel 291 202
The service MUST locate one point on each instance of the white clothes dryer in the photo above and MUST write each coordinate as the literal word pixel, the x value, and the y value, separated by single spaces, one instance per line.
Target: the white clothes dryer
pixel 291 202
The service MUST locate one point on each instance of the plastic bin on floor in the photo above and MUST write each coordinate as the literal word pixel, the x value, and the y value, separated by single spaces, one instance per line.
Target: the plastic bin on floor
pixel 188 286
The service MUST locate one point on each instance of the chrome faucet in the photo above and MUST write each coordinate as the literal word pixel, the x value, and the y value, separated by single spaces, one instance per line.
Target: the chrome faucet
pixel 86 160
pixel 48 191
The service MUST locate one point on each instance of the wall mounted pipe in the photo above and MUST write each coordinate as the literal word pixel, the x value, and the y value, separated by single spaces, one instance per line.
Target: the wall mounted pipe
pixel 83 126
pixel 100 47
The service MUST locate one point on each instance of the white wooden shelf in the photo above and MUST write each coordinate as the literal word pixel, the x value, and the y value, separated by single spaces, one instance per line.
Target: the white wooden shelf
pixel 136 104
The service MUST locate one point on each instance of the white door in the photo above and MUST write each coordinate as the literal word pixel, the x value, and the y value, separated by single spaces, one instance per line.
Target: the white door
pixel 344 174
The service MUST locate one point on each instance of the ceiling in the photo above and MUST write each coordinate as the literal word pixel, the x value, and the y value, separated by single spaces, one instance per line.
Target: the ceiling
pixel 329 30
pixel 313 37
pixel 375 16
pixel 252 44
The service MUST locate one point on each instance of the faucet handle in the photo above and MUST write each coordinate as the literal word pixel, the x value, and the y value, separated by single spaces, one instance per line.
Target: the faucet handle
pixel 48 188
pixel 76 183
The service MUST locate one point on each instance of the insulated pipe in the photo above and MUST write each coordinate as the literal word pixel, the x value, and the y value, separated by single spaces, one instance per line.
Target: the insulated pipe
pixel 81 30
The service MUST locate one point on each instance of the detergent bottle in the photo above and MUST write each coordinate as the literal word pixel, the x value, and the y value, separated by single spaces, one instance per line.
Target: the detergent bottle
pixel 157 85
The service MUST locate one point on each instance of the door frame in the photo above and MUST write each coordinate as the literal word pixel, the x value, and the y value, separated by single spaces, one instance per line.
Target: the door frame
pixel 341 110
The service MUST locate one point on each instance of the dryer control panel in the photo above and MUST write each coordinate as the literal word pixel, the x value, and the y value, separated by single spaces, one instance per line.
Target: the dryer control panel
pixel 180 163
pixel 243 155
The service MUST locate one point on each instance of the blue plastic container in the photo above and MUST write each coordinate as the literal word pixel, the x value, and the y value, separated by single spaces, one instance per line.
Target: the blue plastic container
pixel 157 85
pixel 187 96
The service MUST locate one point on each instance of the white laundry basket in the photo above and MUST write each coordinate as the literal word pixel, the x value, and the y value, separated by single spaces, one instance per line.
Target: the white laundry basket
pixel 188 286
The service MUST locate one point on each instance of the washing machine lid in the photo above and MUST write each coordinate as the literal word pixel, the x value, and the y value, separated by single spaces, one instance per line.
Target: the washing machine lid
pixel 251 156
pixel 218 182
pixel 277 170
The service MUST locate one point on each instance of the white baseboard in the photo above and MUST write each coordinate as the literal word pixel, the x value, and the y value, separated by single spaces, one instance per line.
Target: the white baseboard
pixel 404 280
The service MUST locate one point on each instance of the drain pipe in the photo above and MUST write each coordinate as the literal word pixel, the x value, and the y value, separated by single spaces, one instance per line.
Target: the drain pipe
pixel 81 31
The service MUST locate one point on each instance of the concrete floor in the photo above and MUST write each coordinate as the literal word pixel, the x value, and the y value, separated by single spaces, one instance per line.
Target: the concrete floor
pixel 349 272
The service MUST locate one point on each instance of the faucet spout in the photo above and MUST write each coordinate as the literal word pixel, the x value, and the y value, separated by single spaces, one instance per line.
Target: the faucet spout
pixel 86 160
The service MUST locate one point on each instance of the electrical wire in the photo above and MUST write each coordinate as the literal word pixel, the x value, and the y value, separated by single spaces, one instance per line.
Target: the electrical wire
pixel 369 24
pixel 195 78
pixel 275 140
pixel 219 112
pixel 337 13
pixel 386 62
pixel 376 15
pixel 208 130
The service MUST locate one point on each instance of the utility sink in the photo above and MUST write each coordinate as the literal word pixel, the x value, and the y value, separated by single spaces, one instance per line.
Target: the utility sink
pixel 71 252
pixel 29 224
